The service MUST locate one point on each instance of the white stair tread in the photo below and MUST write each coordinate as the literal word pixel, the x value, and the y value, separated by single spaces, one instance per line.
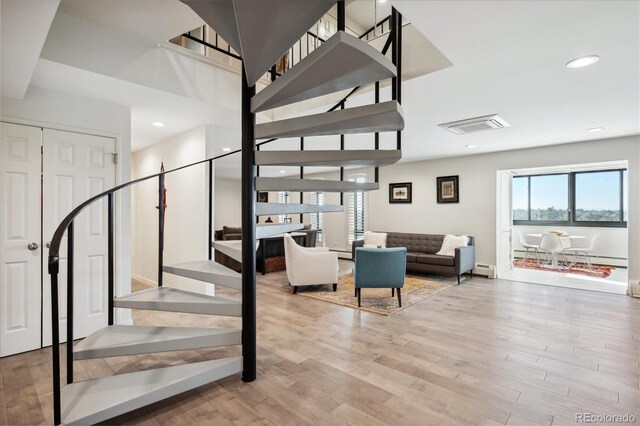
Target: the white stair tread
pixel 94 401
pixel 233 248
pixel 176 300
pixel 328 158
pixel 312 185
pixel 261 31
pixel 207 271
pixel 268 209
pixel 382 117
pixel 342 62
pixel 264 230
pixel 120 340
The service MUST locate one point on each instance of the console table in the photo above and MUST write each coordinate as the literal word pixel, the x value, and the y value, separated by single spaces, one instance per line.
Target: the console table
pixel 272 249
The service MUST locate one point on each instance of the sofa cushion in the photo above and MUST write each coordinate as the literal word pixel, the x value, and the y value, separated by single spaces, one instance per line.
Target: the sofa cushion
pixel 435 259
pixel 416 243
pixel 227 237
pixel 411 256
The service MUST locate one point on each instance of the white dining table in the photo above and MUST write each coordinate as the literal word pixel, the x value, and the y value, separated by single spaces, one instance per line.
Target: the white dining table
pixel 565 240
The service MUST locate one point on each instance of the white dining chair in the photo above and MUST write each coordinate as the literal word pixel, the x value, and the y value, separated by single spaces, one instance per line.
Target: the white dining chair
pixel 530 249
pixel 583 253
pixel 552 246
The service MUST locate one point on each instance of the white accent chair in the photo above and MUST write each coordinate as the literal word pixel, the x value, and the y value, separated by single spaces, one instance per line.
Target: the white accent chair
pixel 552 246
pixel 310 265
pixel 530 249
pixel 583 253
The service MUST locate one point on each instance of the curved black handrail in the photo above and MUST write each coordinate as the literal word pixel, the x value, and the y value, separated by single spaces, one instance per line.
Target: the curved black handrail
pixel 59 232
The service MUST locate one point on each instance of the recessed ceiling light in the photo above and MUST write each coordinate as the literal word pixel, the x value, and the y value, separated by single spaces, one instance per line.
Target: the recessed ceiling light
pixel 225 149
pixel 283 171
pixel 382 1
pixel 584 61
pixel 157 124
pixel 595 129
pixel 470 146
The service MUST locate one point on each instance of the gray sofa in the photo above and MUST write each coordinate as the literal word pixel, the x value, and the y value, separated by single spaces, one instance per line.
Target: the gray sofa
pixel 422 257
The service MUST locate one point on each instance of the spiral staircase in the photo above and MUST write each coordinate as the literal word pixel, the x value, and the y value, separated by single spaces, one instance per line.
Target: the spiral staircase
pixel 342 62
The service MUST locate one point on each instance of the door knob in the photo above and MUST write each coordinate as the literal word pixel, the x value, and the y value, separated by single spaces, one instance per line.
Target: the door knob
pixel 32 246
pixel 48 244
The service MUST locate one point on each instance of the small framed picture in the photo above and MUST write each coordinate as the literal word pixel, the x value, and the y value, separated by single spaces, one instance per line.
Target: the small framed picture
pixel 400 193
pixel 263 197
pixel 448 189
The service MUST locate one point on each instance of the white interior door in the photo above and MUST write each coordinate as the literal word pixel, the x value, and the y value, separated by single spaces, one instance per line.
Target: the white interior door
pixel 504 225
pixel 20 239
pixel 76 167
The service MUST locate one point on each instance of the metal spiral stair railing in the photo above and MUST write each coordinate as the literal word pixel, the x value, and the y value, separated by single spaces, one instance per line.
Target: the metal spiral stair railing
pixel 97 400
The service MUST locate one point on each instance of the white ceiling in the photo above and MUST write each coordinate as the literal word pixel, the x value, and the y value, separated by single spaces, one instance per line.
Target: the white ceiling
pixel 508 58
pixel 24 29
pixel 152 20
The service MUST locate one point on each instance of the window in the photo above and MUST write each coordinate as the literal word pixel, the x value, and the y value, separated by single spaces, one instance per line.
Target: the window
pixel 283 197
pixel 598 197
pixel 315 219
pixel 594 198
pixel 356 212
pixel 549 198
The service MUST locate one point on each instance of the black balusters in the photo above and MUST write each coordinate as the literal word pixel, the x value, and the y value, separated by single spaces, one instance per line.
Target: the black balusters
pixel 210 239
pixel 160 226
pixel 70 303
pixel 248 235
pixel 110 257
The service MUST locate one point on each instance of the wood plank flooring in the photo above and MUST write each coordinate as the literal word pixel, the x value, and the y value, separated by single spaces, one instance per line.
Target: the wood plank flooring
pixel 484 352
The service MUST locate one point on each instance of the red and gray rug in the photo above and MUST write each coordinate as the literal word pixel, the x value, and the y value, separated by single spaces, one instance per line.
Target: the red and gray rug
pixel 599 271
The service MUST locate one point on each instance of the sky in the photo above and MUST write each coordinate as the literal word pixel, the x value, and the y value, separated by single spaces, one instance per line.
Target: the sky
pixel 594 191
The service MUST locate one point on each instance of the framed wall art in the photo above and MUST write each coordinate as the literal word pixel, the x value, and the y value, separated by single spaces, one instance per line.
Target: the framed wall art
pixel 400 193
pixel 448 189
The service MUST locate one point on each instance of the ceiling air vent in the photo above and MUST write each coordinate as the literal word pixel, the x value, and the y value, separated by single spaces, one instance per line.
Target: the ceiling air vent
pixel 478 124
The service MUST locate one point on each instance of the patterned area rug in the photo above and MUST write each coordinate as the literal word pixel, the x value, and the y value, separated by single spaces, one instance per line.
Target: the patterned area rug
pixel 599 271
pixel 379 301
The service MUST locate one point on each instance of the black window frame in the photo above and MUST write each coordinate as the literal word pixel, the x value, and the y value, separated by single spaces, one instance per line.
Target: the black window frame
pixel 571 176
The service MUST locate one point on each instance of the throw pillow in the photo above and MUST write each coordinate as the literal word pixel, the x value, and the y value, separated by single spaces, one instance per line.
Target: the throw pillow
pixel 451 242
pixel 375 239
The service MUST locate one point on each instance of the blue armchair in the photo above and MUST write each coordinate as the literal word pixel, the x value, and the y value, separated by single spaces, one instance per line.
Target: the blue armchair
pixel 380 268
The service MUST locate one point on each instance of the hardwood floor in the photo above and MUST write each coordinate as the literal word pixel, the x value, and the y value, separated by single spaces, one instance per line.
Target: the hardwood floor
pixel 484 352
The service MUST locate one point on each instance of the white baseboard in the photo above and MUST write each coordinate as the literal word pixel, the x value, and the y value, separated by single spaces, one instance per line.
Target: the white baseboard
pixel 144 280
pixel 634 288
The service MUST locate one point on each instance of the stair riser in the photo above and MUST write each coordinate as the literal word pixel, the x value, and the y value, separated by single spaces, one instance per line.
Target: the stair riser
pixel 363 158
pixel 309 185
pixel 269 209
pixel 234 283
pixel 198 342
pixel 190 308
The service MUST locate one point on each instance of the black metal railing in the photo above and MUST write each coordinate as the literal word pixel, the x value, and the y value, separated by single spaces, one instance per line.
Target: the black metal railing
pixel 66 226
pixel 249 146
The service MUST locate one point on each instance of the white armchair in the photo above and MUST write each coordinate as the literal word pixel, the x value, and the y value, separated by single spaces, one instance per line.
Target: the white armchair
pixel 309 265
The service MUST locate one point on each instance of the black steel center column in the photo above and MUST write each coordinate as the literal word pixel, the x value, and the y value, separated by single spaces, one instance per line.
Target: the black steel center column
pixel 248 235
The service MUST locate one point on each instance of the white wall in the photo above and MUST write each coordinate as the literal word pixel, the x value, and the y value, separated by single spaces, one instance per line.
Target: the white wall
pixel 228 200
pixel 186 224
pixel 73 113
pixel 476 212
